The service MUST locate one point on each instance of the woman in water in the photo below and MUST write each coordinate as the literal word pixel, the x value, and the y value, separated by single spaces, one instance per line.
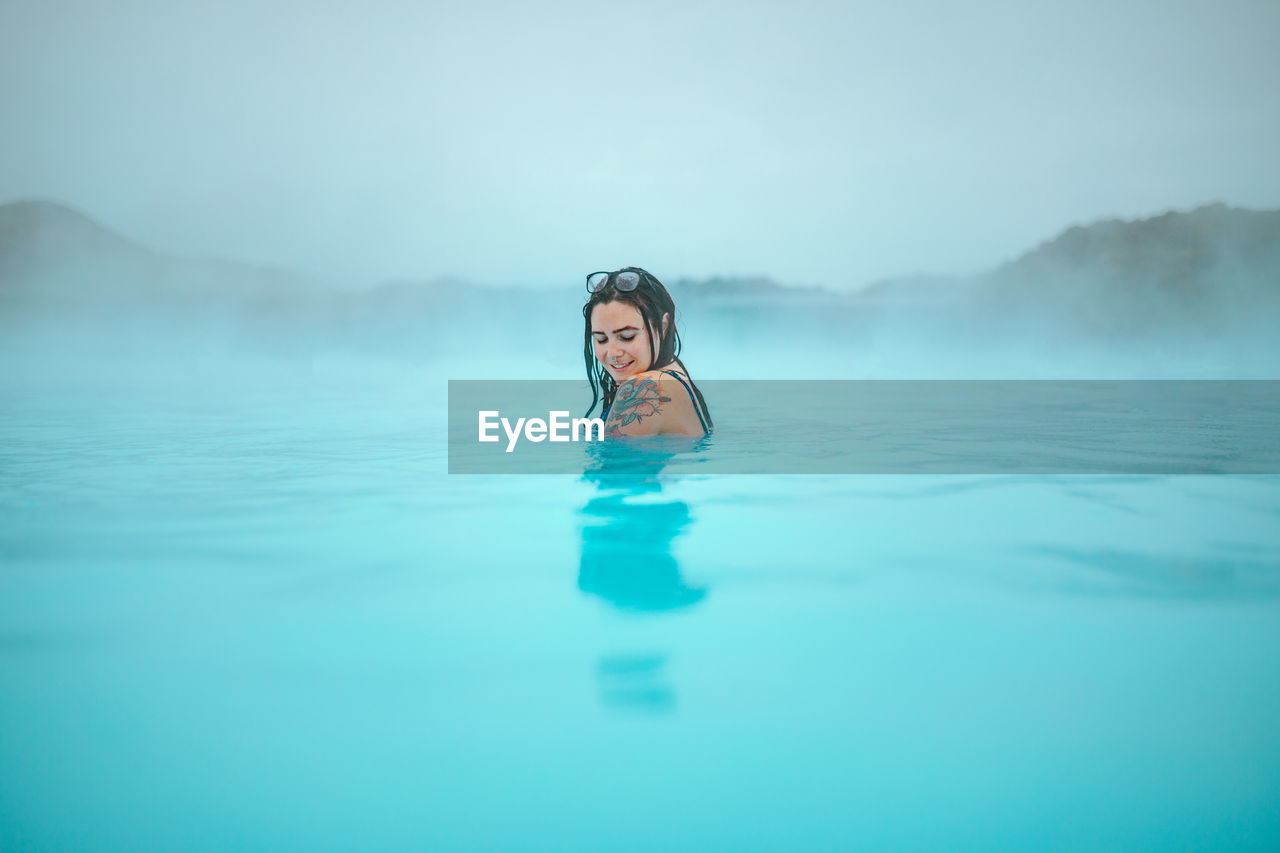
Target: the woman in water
pixel 631 348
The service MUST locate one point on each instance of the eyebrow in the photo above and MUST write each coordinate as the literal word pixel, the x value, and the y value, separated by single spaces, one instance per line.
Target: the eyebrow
pixel 615 331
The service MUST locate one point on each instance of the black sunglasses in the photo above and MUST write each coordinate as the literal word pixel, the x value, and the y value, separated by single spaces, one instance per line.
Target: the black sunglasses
pixel 623 280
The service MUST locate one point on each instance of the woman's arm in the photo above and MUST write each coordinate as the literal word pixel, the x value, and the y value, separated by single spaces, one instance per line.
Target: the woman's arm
pixel 639 408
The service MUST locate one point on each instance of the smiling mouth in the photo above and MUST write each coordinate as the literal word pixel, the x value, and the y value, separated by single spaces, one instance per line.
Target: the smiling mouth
pixel 620 366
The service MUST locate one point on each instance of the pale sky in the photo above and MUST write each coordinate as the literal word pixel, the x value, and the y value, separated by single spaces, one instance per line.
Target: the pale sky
pixel 528 143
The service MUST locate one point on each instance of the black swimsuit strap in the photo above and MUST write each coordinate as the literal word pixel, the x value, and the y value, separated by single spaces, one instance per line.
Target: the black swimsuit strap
pixel 692 397
pixel 696 408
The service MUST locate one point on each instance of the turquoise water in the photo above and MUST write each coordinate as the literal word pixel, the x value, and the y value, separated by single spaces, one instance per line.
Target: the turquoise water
pixel 269 619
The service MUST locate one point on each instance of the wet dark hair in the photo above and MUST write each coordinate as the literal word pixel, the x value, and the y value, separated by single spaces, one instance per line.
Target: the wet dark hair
pixel 651 299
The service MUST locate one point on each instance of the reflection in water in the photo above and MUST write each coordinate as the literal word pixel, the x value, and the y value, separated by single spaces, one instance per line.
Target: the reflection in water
pixel 627 559
pixel 627 536
pixel 635 681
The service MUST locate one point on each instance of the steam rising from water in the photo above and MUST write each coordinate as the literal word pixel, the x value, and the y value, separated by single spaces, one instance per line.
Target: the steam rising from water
pixel 1182 296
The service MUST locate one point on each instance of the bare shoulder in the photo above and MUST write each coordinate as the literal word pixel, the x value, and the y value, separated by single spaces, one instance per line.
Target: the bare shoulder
pixel 647 404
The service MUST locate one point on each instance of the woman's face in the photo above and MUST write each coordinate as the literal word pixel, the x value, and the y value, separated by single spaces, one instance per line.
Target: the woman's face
pixel 620 339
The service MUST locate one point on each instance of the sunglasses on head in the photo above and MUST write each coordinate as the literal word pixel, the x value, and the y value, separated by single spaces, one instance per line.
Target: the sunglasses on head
pixel 623 280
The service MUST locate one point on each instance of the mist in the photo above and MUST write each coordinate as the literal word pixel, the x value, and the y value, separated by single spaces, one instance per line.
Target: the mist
pixel 829 190
pixel 1184 295
pixel 819 144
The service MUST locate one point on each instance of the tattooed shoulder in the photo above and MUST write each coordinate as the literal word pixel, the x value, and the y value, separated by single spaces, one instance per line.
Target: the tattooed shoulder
pixel 636 400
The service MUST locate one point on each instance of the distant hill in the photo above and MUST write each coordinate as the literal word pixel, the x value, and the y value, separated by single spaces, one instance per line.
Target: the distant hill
pixel 1187 254
pixel 1210 273
pixel 915 290
pixel 1204 269
pixel 62 270
pixel 722 290
pixel 37 232
pixel 51 250
pixel 47 248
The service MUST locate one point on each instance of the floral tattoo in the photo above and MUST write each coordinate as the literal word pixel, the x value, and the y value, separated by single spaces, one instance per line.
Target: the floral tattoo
pixel 635 399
